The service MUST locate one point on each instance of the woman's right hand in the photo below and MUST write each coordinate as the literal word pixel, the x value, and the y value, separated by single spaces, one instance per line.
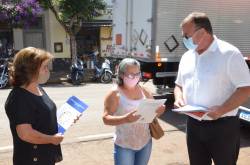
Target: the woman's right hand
pixel 57 138
pixel 131 117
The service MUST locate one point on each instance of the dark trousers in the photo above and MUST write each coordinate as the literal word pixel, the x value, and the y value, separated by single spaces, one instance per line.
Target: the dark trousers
pixel 217 140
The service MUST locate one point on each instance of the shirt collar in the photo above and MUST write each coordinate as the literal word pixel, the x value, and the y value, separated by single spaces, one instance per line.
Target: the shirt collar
pixel 214 45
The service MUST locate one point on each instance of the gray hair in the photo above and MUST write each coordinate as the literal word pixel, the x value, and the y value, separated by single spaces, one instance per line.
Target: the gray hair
pixel 123 66
pixel 200 20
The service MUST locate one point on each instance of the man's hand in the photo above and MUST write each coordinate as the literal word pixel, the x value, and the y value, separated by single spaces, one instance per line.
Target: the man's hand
pixel 178 95
pixel 215 112
pixel 179 103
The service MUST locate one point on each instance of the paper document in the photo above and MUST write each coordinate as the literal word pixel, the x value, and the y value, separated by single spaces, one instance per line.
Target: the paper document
pixel 196 112
pixel 147 108
pixel 190 108
pixel 68 112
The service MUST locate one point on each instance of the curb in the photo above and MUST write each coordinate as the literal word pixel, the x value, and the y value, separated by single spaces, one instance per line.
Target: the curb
pixel 87 138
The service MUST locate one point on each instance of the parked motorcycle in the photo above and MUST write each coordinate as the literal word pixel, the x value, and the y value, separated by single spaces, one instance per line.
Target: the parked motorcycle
pixel 104 74
pixel 4 76
pixel 77 72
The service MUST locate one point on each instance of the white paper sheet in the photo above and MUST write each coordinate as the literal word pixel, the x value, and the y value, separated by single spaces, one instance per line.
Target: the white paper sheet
pixel 190 108
pixel 147 109
pixel 194 111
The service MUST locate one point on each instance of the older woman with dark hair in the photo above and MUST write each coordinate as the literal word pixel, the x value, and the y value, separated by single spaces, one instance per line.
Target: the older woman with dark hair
pixel 31 113
pixel 133 141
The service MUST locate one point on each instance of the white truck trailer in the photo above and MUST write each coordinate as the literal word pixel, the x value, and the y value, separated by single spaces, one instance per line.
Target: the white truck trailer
pixel 142 27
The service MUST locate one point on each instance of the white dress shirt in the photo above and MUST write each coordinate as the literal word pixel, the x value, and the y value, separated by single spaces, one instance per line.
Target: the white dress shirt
pixel 210 78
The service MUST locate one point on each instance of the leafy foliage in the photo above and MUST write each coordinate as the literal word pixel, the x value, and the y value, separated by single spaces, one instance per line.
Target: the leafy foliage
pixel 19 13
pixel 71 13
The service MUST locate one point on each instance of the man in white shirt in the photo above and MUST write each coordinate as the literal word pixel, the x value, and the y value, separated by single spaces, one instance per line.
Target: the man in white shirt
pixel 212 74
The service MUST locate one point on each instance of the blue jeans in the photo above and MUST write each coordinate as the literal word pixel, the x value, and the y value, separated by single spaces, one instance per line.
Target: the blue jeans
pixel 125 156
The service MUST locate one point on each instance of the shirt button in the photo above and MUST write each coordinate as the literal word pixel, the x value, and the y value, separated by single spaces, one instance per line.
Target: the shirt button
pixel 35 146
pixel 35 159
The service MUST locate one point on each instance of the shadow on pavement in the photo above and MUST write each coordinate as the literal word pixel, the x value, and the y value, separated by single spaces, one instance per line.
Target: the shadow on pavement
pixel 174 119
pixel 170 117
pixel 245 136
pixel 179 121
pixel 63 84
pixel 68 84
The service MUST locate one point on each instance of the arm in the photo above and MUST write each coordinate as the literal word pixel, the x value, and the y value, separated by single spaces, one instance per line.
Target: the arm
pixel 178 95
pixel 238 72
pixel 111 103
pixel 28 134
pixel 240 96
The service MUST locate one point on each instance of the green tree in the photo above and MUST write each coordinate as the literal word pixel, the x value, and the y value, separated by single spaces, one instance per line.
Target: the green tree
pixel 72 13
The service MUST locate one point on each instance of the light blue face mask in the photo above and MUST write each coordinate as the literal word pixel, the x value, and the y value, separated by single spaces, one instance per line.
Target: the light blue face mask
pixel 189 44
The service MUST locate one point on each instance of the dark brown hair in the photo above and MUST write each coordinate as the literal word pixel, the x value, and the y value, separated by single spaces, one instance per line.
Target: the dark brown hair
pixel 200 20
pixel 26 65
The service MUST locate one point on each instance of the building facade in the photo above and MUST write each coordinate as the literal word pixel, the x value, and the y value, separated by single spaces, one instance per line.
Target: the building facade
pixel 49 34
pixel 46 34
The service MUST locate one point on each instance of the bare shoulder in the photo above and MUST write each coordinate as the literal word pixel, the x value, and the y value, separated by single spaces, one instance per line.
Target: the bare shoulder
pixel 111 101
pixel 113 96
pixel 147 92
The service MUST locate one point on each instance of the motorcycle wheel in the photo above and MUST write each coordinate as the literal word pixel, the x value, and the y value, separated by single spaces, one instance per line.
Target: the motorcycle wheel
pixel 4 81
pixel 106 77
pixel 76 78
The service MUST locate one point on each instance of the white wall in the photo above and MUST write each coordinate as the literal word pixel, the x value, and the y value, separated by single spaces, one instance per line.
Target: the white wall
pixel 56 33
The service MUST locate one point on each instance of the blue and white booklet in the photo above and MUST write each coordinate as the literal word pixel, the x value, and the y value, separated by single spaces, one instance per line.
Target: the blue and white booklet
pixel 69 112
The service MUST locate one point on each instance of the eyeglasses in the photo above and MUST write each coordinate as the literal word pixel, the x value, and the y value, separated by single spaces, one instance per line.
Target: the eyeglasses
pixel 133 75
pixel 185 36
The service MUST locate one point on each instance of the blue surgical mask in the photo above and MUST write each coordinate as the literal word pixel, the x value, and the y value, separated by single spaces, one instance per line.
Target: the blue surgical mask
pixel 189 44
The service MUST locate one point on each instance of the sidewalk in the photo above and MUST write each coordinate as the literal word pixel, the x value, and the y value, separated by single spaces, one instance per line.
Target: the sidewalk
pixel 169 150
pixel 98 149
pixel 166 151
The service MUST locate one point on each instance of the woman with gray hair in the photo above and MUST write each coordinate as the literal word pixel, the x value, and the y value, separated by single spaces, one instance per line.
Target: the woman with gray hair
pixel 133 142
